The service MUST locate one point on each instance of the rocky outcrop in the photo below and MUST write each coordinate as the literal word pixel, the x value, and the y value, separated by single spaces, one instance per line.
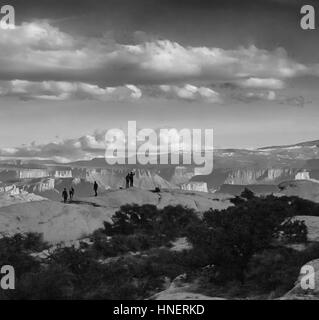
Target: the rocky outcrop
pixel 56 221
pixel 59 222
pixel 11 189
pixel 44 185
pixel 7 199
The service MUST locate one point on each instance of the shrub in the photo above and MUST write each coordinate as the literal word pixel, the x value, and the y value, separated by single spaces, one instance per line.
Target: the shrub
pixel 273 270
pixel 231 237
pixel 293 231
pixel 16 251
pixel 170 222
pixel 235 252
pixel 247 194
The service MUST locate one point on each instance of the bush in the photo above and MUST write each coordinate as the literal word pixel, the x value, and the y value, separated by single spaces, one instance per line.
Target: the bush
pixel 131 219
pixel 15 251
pixel 273 270
pixel 231 237
pixel 170 222
pixel 52 283
pixel 293 231
pixel 247 194
pixel 238 251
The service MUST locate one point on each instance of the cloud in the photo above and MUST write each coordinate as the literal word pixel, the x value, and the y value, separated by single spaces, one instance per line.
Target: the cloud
pixel 136 92
pixel 37 51
pixel 270 95
pixel 39 61
pixel 250 96
pixel 84 148
pixel 258 83
pixel 59 90
pixel 191 93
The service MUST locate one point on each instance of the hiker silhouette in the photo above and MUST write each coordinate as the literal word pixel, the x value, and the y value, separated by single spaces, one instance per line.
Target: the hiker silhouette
pixel 71 193
pixel 95 187
pixel 131 175
pixel 65 195
pixel 127 179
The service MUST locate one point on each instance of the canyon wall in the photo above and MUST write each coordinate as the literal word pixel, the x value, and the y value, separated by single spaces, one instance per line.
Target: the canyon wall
pixel 32 173
pixel 195 186
pixel 259 176
pixel 304 175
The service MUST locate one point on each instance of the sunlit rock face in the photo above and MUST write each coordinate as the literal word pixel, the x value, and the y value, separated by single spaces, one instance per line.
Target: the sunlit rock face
pixel 106 178
pixel 195 186
pixel 259 176
pixel 304 175
pixel 32 173
pixel 10 189
pixel 146 179
pixel 63 174
pixel 45 185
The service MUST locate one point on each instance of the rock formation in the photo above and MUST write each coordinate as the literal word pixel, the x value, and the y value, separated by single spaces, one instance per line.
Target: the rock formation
pixel 60 222
pixel 195 186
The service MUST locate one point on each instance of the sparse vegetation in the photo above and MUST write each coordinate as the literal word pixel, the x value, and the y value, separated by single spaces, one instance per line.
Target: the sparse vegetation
pixel 237 252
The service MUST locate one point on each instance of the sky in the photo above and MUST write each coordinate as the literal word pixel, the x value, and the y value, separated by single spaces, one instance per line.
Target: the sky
pixel 70 70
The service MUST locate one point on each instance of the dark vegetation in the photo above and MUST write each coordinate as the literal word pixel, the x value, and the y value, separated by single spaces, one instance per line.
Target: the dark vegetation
pixel 238 252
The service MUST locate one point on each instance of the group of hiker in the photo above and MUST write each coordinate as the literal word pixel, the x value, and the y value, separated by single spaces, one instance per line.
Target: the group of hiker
pixel 129 183
pixel 65 194
pixel 129 179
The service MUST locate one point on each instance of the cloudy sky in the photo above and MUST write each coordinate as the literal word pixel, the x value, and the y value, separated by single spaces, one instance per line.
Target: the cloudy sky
pixel 73 69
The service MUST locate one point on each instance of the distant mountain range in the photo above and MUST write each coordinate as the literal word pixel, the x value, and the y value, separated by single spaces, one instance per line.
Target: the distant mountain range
pixel 233 167
pixel 267 157
pixel 314 143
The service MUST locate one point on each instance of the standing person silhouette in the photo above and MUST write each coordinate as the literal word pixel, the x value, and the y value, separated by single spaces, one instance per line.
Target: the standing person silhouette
pixel 65 195
pixel 132 174
pixel 71 192
pixel 127 179
pixel 95 187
